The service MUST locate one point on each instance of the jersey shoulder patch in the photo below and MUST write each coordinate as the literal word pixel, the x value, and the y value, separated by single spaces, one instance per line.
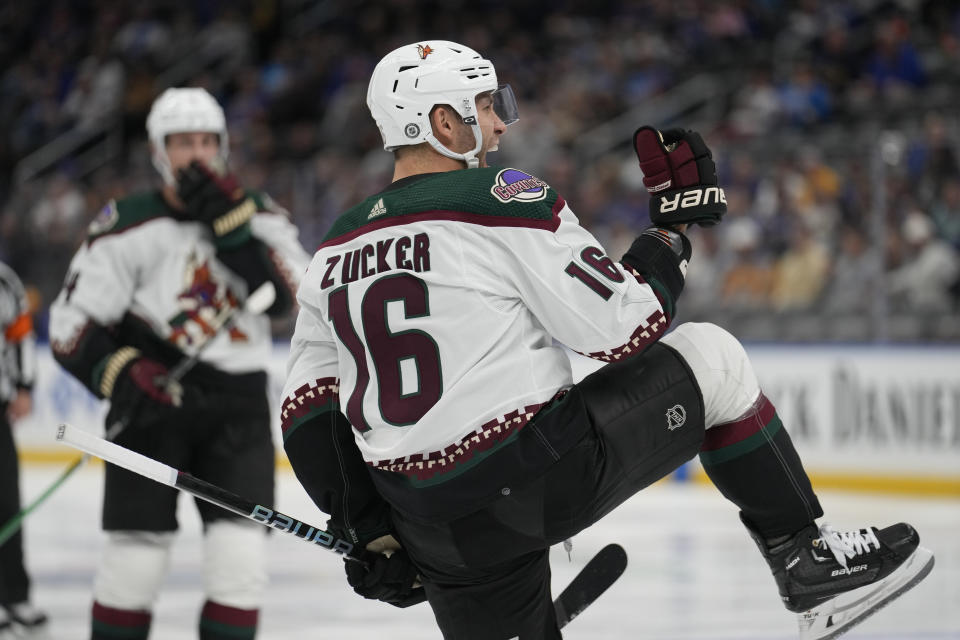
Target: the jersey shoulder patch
pixel 490 196
pixel 119 215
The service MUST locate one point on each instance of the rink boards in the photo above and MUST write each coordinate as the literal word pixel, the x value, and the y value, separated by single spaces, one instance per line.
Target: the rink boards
pixel 863 417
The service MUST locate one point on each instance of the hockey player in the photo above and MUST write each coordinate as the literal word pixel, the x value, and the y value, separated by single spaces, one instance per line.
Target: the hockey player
pixel 17 370
pixel 143 290
pixel 427 401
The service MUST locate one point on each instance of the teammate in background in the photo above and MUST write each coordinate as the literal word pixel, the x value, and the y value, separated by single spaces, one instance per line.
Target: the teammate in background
pixel 17 371
pixel 156 268
pixel 427 401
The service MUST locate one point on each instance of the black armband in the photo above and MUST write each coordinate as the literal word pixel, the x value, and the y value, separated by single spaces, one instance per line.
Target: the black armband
pixel 251 261
pixel 661 254
pixel 328 464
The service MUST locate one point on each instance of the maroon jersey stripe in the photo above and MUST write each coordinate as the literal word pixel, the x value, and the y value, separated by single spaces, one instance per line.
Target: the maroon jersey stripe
pixel 453 216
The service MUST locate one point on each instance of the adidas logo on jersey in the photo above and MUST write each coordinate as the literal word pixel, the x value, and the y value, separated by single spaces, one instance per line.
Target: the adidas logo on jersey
pixel 378 209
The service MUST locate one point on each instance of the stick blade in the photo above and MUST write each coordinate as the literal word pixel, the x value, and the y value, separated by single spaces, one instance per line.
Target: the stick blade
pixel 261 299
pixel 596 577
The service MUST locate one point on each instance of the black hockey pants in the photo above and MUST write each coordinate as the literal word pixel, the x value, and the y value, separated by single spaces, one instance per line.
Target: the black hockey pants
pixel 487 574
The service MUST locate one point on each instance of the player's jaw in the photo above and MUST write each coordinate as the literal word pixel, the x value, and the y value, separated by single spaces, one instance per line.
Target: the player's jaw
pixel 491 140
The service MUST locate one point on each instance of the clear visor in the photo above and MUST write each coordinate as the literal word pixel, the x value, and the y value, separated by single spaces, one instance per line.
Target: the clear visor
pixel 505 104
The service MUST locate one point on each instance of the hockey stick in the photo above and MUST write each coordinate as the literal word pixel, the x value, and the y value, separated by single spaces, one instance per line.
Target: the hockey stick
pixel 595 578
pixel 165 474
pixel 256 303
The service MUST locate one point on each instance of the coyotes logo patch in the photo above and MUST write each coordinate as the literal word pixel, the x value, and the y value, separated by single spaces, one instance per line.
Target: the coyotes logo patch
pixel 519 186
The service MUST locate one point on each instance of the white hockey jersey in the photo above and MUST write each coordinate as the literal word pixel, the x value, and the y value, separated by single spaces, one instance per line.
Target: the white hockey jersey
pixel 429 313
pixel 140 259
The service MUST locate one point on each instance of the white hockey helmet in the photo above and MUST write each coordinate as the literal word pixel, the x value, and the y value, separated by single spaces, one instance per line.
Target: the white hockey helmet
pixel 183 110
pixel 408 82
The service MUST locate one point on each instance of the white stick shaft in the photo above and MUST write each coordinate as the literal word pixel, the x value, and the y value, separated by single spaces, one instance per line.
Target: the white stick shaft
pixel 261 299
pixel 130 460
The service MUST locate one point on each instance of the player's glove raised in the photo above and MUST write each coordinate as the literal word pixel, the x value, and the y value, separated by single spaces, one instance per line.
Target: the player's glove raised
pixel 679 172
pixel 213 196
pixel 393 579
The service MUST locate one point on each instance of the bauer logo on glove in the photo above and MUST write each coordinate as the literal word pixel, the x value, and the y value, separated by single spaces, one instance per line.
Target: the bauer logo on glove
pixel 679 172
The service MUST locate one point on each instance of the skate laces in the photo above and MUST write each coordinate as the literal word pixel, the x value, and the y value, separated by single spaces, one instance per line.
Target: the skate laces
pixel 848 544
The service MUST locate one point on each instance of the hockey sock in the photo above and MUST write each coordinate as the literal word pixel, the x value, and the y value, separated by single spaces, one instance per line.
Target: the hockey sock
pixel 113 624
pixel 220 622
pixel 753 463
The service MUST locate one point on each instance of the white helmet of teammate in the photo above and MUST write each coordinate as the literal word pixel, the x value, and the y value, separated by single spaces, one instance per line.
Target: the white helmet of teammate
pixel 408 82
pixel 183 110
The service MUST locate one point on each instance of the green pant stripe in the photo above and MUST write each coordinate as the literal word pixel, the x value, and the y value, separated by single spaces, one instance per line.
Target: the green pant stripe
pixel 745 446
pixel 114 631
pixel 227 629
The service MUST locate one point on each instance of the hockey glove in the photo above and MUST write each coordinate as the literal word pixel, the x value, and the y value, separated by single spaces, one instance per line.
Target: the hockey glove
pixel 389 578
pixel 679 172
pixel 213 196
pixel 138 392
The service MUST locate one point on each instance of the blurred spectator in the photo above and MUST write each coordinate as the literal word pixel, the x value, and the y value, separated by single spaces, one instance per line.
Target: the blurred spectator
pixel 59 215
pixel 836 57
pixel 895 65
pixel 852 280
pixel 804 99
pixel 97 90
pixel 144 37
pixel 56 227
pixel 815 192
pixel 799 274
pixel 756 105
pixel 746 284
pixel 703 287
pixel 226 39
pixel 932 159
pixel 923 283
pixel 945 211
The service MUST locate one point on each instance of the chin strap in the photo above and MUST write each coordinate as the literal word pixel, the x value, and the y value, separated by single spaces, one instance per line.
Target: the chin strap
pixel 162 164
pixel 470 157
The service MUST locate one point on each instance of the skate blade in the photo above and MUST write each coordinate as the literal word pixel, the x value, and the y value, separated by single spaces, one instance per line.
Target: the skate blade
pixel 23 632
pixel 837 616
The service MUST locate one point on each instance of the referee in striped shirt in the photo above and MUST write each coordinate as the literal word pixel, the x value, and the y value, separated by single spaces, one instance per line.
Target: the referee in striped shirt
pixel 17 371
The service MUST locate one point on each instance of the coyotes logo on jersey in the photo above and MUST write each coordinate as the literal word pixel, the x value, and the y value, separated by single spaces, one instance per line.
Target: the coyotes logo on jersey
pixel 202 299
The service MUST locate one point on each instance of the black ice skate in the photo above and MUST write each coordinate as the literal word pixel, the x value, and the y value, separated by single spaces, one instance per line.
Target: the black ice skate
pixel 26 620
pixel 836 579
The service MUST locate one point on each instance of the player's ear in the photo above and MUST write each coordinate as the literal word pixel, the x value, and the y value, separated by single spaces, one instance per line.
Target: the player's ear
pixel 443 119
